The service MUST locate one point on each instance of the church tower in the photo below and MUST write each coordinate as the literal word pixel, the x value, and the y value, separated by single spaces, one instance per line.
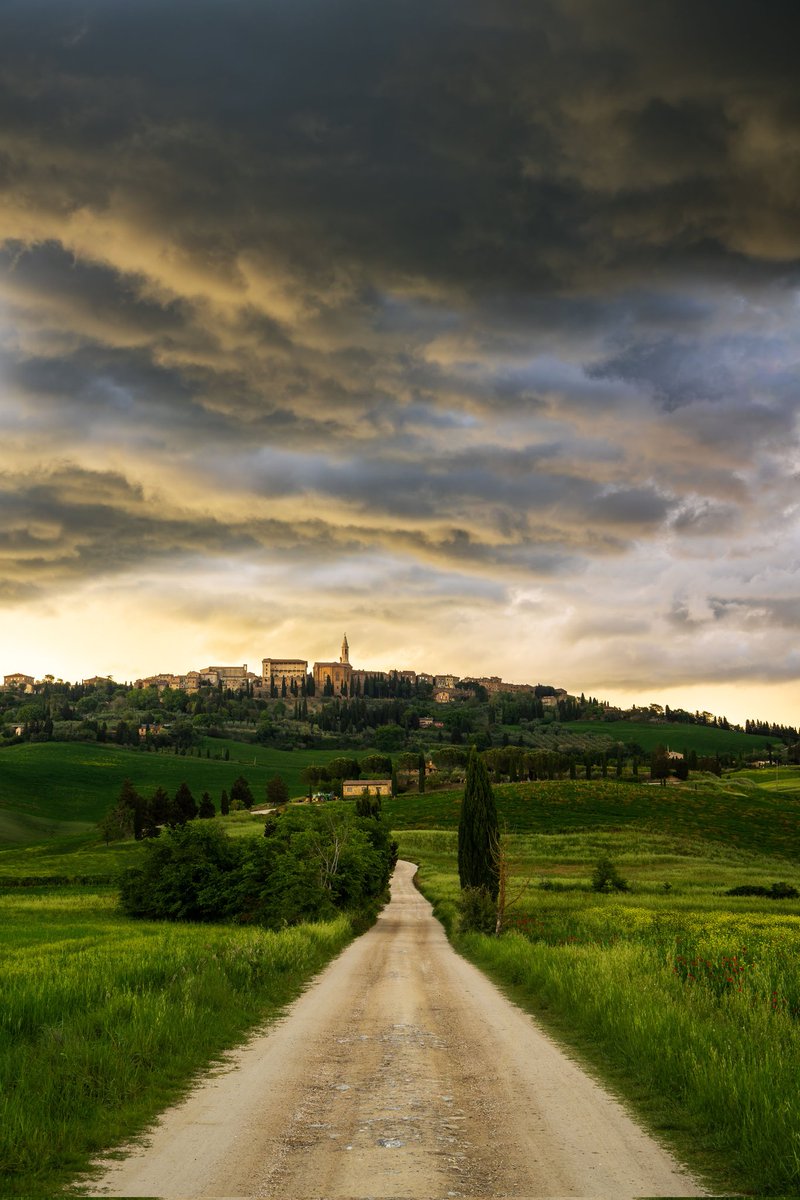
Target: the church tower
pixel 345 655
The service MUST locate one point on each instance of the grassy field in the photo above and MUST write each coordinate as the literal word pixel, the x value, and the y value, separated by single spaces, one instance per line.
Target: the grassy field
pixel 686 1001
pixel 704 739
pixel 745 809
pixel 104 1020
pixel 85 858
pixel 55 789
pixel 751 810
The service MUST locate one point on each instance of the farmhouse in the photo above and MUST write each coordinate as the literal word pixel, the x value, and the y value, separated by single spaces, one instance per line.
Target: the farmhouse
pixel 17 680
pixel 351 788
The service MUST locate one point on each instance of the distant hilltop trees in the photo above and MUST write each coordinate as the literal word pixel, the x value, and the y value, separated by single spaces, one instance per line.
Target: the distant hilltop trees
pixel 332 705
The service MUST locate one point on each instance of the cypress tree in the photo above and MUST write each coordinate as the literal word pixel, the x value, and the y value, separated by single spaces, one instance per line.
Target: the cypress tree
pixel 478 831
pixel 421 771
pixel 185 803
pixel 130 810
pixel 206 810
pixel 241 791
pixel 224 803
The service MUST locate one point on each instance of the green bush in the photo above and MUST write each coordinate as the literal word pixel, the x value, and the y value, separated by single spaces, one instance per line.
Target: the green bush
pixel 310 865
pixel 775 891
pixel 606 877
pixel 477 911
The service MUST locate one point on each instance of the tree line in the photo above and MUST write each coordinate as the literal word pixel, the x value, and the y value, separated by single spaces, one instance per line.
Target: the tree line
pixel 310 865
pixel 143 817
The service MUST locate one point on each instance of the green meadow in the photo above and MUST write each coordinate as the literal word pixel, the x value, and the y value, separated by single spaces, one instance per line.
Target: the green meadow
pixel 684 1000
pixel 57 789
pixel 746 809
pixel 704 739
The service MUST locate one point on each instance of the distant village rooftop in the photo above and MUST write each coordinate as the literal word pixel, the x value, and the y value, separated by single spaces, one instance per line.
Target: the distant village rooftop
pixel 290 675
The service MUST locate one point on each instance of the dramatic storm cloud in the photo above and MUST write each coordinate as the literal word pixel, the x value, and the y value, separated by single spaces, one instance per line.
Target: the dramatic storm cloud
pixel 470 327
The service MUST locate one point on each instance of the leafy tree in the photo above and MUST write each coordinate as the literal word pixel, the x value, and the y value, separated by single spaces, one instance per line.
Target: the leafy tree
pixel 206 810
pixel 241 791
pixel 447 757
pixel 277 791
pixel 478 831
pixel 376 766
pixel 182 735
pixel 309 865
pixel 314 775
pixel 389 737
pixel 344 768
pixel 185 876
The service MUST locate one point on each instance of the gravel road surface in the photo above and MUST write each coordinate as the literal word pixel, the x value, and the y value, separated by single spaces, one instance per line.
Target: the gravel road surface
pixel 400 1072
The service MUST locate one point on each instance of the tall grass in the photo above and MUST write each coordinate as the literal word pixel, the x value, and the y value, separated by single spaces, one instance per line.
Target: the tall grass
pixel 689 1002
pixel 103 1020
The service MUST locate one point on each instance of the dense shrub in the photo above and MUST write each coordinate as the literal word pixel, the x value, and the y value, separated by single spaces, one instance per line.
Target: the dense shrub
pixel 775 891
pixel 605 876
pixel 310 865
pixel 477 911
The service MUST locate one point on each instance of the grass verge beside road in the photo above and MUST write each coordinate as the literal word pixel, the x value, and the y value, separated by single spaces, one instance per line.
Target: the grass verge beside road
pixel 686 1001
pixel 104 1021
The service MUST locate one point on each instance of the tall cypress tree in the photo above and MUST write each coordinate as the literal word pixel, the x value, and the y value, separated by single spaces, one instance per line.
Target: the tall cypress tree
pixel 478 831
pixel 185 804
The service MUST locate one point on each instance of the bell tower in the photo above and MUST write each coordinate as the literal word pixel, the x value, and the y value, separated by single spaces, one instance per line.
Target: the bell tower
pixel 345 655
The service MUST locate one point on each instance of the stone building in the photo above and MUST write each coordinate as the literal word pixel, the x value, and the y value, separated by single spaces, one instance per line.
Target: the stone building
pixel 278 671
pixel 334 676
pixel 17 680
pixel 351 788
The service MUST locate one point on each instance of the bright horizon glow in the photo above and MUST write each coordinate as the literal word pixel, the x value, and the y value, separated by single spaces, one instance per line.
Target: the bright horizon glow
pixel 174 654
pixel 424 329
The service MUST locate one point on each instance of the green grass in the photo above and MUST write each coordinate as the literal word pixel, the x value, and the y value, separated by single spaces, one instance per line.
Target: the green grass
pixel 705 739
pixel 687 1002
pixel 56 789
pixel 86 858
pixel 103 1020
pixel 736 809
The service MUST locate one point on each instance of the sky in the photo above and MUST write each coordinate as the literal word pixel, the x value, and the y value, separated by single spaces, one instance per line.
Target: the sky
pixel 469 327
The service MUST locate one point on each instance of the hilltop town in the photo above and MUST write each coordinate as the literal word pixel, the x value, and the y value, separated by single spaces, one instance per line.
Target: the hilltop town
pixel 292 677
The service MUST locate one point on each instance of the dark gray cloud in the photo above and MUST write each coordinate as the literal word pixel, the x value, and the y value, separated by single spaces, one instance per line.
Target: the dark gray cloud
pixel 498 292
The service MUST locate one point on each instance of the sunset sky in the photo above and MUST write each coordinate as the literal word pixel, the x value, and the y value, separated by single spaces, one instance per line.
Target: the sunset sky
pixel 471 328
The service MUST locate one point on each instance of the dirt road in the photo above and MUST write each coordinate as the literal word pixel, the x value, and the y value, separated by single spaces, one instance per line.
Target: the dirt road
pixel 401 1072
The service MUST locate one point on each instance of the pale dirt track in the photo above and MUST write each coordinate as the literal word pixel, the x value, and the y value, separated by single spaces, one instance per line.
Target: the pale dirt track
pixel 401 1072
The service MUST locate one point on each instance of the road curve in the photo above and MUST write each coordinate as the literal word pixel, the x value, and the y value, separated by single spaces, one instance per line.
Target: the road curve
pixel 400 1072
